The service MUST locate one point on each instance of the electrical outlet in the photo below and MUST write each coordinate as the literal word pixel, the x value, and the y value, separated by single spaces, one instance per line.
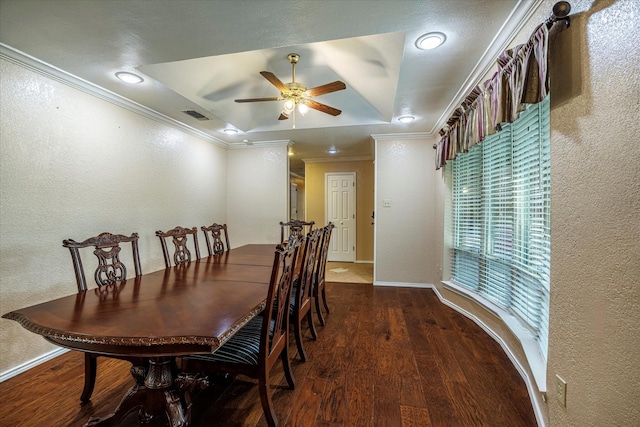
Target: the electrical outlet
pixel 561 391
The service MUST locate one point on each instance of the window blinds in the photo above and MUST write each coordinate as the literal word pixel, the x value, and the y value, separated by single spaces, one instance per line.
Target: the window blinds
pixel 501 209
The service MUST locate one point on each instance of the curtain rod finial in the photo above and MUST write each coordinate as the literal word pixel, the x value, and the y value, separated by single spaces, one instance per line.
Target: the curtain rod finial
pixel 560 12
pixel 561 9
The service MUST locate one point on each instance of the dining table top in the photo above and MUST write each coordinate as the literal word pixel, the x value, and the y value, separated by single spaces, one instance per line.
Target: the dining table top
pixel 187 309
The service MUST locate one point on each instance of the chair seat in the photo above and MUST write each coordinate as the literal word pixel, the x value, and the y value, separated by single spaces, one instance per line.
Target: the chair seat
pixel 243 347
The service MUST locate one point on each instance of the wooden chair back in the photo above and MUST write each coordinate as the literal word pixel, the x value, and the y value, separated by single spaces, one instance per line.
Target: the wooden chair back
pixel 295 227
pixel 111 269
pixel 275 325
pixel 180 238
pixel 309 259
pixel 319 289
pixel 215 245
pixel 323 252
pixel 256 347
pixel 301 301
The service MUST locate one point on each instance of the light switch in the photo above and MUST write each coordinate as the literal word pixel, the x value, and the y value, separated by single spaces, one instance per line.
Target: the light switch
pixel 386 203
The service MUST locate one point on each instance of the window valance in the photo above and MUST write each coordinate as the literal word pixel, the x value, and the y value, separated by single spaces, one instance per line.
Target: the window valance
pixel 522 78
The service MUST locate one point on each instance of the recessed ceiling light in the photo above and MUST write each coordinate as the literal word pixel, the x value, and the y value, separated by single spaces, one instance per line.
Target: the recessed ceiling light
pixel 406 119
pixel 129 77
pixel 332 150
pixel 230 131
pixel 430 41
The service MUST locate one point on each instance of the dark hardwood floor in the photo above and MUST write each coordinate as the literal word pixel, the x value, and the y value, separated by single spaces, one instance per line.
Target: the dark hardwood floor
pixel 387 357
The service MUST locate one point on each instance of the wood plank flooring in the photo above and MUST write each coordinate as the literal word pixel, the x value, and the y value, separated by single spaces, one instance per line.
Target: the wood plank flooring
pixel 387 357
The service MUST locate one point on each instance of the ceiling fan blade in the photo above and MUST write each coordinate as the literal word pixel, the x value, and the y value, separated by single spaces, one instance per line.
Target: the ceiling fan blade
pixel 274 80
pixel 322 107
pixel 283 117
pixel 275 98
pixel 328 88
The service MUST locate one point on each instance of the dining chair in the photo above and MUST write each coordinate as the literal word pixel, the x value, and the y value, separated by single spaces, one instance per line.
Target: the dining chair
pixel 302 293
pixel 319 291
pixel 296 227
pixel 180 237
pixel 110 272
pixel 215 245
pixel 258 345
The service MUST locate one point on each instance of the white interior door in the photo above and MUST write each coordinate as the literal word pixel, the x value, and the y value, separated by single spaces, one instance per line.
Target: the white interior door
pixel 341 211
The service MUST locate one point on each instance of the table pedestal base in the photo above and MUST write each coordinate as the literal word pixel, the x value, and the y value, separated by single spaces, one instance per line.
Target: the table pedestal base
pixel 159 391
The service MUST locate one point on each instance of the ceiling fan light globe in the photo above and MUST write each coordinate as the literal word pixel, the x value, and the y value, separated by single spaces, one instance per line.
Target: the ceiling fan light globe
pixel 303 108
pixel 289 105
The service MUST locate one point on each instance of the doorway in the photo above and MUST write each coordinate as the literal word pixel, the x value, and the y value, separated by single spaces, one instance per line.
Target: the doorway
pixel 293 201
pixel 340 198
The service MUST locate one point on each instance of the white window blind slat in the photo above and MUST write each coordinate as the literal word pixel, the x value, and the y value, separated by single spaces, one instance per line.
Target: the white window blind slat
pixel 501 225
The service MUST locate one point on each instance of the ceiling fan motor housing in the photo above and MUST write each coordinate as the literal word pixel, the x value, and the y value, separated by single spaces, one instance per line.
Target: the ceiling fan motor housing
pixel 294 90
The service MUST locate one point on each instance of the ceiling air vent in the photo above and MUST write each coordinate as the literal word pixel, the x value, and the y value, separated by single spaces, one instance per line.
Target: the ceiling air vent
pixel 196 115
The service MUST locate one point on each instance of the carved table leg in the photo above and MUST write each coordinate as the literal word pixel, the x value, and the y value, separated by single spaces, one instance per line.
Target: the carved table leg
pixel 135 398
pixel 162 396
pixel 158 391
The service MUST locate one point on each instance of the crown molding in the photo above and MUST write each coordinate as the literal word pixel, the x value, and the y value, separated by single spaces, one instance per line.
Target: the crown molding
pixel 33 64
pixel 295 175
pixel 401 136
pixel 338 159
pixel 259 144
pixel 505 36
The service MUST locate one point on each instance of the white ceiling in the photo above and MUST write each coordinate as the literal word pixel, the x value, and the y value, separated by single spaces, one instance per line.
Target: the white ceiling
pixel 214 82
pixel 201 55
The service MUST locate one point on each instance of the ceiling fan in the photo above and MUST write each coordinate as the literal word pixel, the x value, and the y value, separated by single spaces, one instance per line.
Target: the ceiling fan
pixel 296 94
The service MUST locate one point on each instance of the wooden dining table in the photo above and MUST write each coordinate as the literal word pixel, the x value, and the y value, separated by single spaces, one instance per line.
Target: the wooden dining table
pixel 193 308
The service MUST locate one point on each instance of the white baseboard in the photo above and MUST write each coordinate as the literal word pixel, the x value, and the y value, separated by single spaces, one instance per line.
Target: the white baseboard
pixel 31 364
pixel 358 261
pixel 403 284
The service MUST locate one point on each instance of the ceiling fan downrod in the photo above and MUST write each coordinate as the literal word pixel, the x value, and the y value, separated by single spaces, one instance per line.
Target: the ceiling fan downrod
pixel 293 59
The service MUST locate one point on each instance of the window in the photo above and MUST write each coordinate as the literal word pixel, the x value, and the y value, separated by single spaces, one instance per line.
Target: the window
pixel 501 216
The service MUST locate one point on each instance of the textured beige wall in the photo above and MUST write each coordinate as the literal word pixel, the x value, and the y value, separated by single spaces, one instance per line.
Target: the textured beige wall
pixel 408 234
pixel 314 196
pixel 594 340
pixel 73 166
pixel 258 188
